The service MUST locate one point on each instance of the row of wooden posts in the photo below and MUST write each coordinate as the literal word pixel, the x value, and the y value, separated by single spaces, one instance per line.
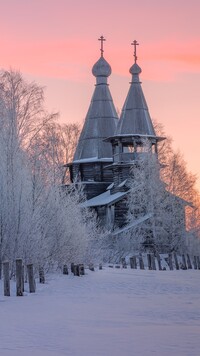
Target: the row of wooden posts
pixel 20 278
pixel 79 269
pixel 76 269
pixel 185 263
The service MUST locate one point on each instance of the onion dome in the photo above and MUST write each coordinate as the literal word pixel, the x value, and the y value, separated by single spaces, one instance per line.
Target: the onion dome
pixel 135 69
pixel 101 68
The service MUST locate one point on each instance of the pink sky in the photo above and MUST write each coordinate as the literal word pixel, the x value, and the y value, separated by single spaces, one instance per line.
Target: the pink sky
pixel 54 42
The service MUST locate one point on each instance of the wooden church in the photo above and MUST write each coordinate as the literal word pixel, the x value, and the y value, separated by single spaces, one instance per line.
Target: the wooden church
pixel 109 145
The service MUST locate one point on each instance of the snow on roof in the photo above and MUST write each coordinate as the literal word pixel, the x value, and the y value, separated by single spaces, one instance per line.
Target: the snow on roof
pixel 92 159
pixel 133 224
pixel 104 199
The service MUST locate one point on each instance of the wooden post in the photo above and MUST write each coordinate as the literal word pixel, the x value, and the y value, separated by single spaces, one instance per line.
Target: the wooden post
pixel 72 267
pixel 91 267
pixel 76 270
pixel 133 262
pixel 0 269
pixel 31 280
pixel 198 262
pixel 183 262
pixel 170 262
pixel 65 270
pixel 123 260
pixel 6 278
pixel 195 262
pixel 81 269
pixel 149 261
pixel 176 261
pixel 189 264
pixel 159 261
pixel 19 278
pixel 23 279
pixel 141 262
pixel 153 263
pixel 41 275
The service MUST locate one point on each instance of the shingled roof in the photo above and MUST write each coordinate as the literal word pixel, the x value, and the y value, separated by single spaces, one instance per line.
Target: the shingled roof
pixel 135 118
pixel 101 119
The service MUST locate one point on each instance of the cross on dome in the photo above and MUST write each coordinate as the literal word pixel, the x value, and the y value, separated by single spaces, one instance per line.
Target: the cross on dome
pixel 102 39
pixel 135 44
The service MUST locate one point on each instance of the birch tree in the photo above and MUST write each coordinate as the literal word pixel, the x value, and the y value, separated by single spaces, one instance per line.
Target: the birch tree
pixel 38 222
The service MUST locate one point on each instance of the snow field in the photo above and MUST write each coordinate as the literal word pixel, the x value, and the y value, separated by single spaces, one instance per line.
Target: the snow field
pixel 112 312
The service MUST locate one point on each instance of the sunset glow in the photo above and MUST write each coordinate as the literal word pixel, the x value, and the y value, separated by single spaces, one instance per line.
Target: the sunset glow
pixel 54 42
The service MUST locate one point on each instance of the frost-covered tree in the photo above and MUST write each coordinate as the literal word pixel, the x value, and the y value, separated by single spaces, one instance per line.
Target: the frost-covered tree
pixel 52 148
pixel 21 117
pixel 179 181
pixel 160 212
pixel 38 221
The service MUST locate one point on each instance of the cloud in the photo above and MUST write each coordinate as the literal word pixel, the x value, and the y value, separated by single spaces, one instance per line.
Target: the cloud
pixel 73 58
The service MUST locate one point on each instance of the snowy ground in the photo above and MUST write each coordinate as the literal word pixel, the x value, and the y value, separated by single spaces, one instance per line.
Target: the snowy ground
pixel 112 312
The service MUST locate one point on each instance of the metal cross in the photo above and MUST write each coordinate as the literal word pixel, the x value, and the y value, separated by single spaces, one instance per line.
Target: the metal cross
pixel 102 39
pixel 135 43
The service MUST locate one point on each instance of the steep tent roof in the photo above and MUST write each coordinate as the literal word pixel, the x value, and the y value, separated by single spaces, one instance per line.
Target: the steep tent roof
pixel 101 119
pixel 135 117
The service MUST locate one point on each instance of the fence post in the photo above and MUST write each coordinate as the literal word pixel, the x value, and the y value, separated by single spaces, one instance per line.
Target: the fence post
pixel 198 262
pixel 141 262
pixel 19 277
pixel 123 260
pixel 81 269
pixel 0 269
pixel 149 261
pixel 31 280
pixel 195 262
pixel 6 279
pixel 176 261
pixel 153 264
pixel 72 267
pixel 41 275
pixel 65 270
pixel 183 262
pixel 23 278
pixel 170 262
pixel 133 262
pixel 159 261
pixel 76 270
pixel 189 264
pixel 91 267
